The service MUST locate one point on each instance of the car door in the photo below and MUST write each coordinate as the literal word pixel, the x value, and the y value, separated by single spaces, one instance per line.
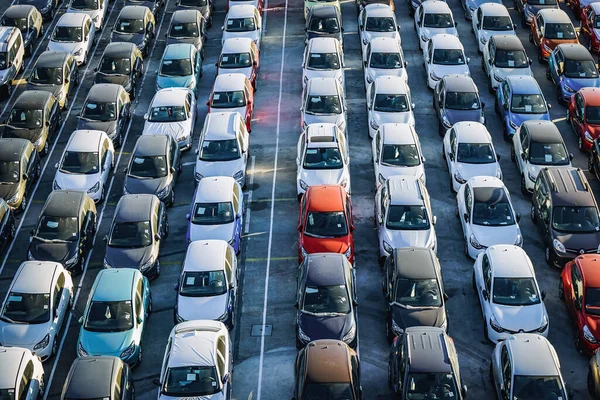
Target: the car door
pixel 555 65
pixel 140 312
pixel 477 18
pixel 575 294
pixel 62 297
pixel 489 63
pixel 437 96
pixel 300 150
pixel 231 276
pixel 521 149
pixel 504 95
pixel 485 291
pixel 106 160
pixel 504 375
pixel 428 56
pixel 538 29
pixel 450 148
pixel 577 121
pixel 249 94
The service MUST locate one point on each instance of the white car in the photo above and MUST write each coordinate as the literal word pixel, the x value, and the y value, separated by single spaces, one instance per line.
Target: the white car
pixel 322 158
pixel 22 375
pixel 323 58
pixel 232 93
pixel 96 9
pixel 323 101
pixel 486 215
pixel 397 151
pixel 377 20
pixel 207 287
pixel 35 307
pixel 444 55
pixel 242 21
pixel 76 34
pixel 172 112
pixel 389 101
pixel 491 19
pixel 198 359
pixel 509 295
pixel 239 56
pixel 503 56
pixel 223 147
pixel 403 215
pixel 86 164
pixel 433 17
pixel 384 57
pixel 468 151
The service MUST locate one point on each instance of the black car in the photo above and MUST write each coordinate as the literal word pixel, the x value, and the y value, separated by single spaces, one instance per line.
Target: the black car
pixel 154 5
pixel 324 21
pixel 107 108
pixel 55 72
pixel 47 8
pixel 19 170
pixel 187 26
pixel 135 24
pixel 455 99
pixel 29 21
pixel 594 159
pixel 65 230
pixel 121 63
pixel 104 377
pixel 8 228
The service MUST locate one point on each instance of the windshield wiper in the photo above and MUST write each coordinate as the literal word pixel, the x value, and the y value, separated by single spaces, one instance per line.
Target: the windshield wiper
pixel 10 321
pixel 111 73
pixel 316 236
pixel 41 239
pixel 406 306
pixel 14 127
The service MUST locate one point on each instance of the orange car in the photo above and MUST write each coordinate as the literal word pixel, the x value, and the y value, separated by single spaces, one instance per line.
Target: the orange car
pixel 549 28
pixel 325 223
pixel 584 116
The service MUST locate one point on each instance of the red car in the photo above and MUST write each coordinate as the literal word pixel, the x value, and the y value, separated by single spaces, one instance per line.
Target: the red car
pixel 590 26
pixel 549 28
pixel 579 287
pixel 325 223
pixel 233 92
pixel 584 116
pixel 578 7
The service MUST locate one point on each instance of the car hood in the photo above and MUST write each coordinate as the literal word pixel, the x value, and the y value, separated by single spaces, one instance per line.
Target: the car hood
pixel 46 251
pixel 406 117
pixel 455 116
pixel 387 171
pixel 135 38
pixel 216 396
pixel 39 4
pixel 173 129
pixel 372 35
pixel 22 335
pixel 209 307
pixel 127 258
pixel 247 71
pixel 442 70
pixel 315 177
pixel 104 126
pixel 254 35
pixel 518 119
pixel 174 81
pixel 8 190
pixel 325 327
pixel 429 32
pixel 240 110
pixel 588 241
pixel 196 41
pixel 105 343
pixel 69 47
pixel 335 35
pixel 325 118
pixel 578 83
pixel 486 34
pixel 205 232
pixel 526 318
pixel 122 80
pixel 504 72
pixel 491 235
pixel 54 89
pixel 76 181
pixel 323 73
pixel 219 168
pixel 375 73
pixel 149 186
pixel 325 245
pixel 552 43
pixel 407 317
pixel 407 238
pixel 30 134
pixel 470 170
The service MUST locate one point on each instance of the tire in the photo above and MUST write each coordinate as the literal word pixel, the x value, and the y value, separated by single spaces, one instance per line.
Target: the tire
pixel 29 50
pixel 532 215
pixel 524 186
pixel 591 387
pixel 540 58
pixel 548 74
pixel 166 229
pixel 577 340
pixel 530 37
pixel 591 167
pixel 13 230
pixel 23 205
pixel 561 290
pixel 524 22
pixel 547 256
pixel 490 87
pixel 474 283
pixel 54 350
pixel 467 249
pixel 150 306
pixel 45 149
pixel 388 327
pixel 102 196
pixel 485 331
pixel 580 144
pixel 172 198
pixel 139 358
pixel 132 92
pixel 513 157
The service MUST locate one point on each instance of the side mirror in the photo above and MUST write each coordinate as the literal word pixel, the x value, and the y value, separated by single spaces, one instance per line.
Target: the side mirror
pixel 365 64
pixel 225 378
pixel 485 294
pixel 518 217
pixel 166 35
pixel 157 237
pixel 125 170
pixel 530 61
pixel 352 227
pixel 80 320
pixel 222 28
pixel 466 217
pixel 419 23
pixel 549 106
pixel 505 106
pixel 455 23
pixel 523 156
pixel 156 382
pixel 96 69
pixel 405 63
pixel 489 61
pixel 172 169
pixel 497 157
pixel 32 232
pixel 25 177
pixel 139 320
pixel 543 294
pixel 255 64
pixel 238 216
pixel 299 227
pixel 463 390
pixel 208 103
pixel 305 29
pixel 47 123
pixel 67 79
pixel 105 238
pixel 570 156
pixel 342 29
pixel 355 303
pixel 217 64
pixel 468 60
pixel 434 220
pixel 296 304
pixel 445 296
pixel 482 105
pixel 187 216
pixel 146 116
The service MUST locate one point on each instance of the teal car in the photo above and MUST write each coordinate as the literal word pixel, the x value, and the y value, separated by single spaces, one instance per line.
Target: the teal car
pixel 180 66
pixel 115 316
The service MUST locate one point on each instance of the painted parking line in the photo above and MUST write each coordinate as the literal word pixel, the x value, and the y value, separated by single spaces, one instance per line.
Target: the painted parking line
pixel 263 259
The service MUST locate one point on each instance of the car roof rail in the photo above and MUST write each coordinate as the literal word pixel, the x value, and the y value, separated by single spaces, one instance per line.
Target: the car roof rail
pixel 551 179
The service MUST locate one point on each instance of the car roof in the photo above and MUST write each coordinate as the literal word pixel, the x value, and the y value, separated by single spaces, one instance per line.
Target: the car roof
pixel 574 51
pixel 178 51
pixel 595 6
pixel 174 96
pixel 220 126
pixel 591 95
pixel 569 187
pixel 327 361
pixel 236 45
pixel 5 32
pixel 435 6
pixel 133 12
pixel 72 19
pixel 119 50
pixel 385 45
pixel 241 11
pixel 398 133
pixel 32 100
pixel 135 207
pixel 471 132
pixel 523 347
pixel 91 377
pixel 324 10
pixel 493 9
pixel 114 284
pixel 459 83
pixel 543 131
pixel 324 45
pixel 18 11
pixel 446 41
pixel 523 84
pixel 321 135
pixel 325 269
pixel 590 269
pixel 378 10
pixel 11 149
pixel 506 42
pixel 205 255
pixel 52 58
pixel 214 189
pixel 185 16
pixel 322 86
pixel 415 262
pixel 404 190
pixel 554 15
pixel 509 261
pixel 151 145
pixel 11 359
pixel 64 203
pixel 427 350
pixel 35 277
pixel 194 343
pixel 388 84
pixel 229 82
pixel 104 92
pixel 84 140
pixel 325 198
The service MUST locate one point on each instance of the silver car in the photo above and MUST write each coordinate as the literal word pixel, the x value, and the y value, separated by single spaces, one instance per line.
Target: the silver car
pixel 22 374
pixel 323 101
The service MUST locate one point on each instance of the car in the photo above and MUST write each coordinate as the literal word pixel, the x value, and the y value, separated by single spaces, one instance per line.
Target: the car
pixel 486 215
pixel 469 151
pixel 96 9
pixel 233 93
pixel 65 230
pixel 20 169
pixel 223 147
pixel 384 57
pixel 85 165
pixel 22 375
pixel 550 28
pixel 154 167
pixel 239 55
pixel 433 17
pixel 593 376
pixel 324 20
pixel 28 20
pixel 35 116
pixel 529 9
pixel 324 101
pixel 376 20
pixel 504 55
pixel 515 374
pixel 107 108
pixel 361 4
pixel 389 101
pixel 422 361
pixel 594 159
pixel 256 3
pixel 325 222
pixel 123 64
pixel 206 7
pixel 571 67
pixel 242 21
pixel 518 99
pixel 456 99
pixel 590 25
pixel 12 63
pixel 566 213
pixel 309 4
pixel 138 229
pixel 115 316
pixel 55 72
pixel 323 58
pixel 578 7
pixel 198 361
pixel 322 158
pixel 216 211
pixel 444 55
pixel 135 24
pixel 74 33
pixel 207 285
pixel 180 66
pixel 155 6
pixel 326 300
pixel 396 150
pixel 414 291
pixel 102 377
pixel 583 114
pixel 48 9
pixel 187 26
pixel 470 6
pixel 342 368
pixel 8 226
pixel 491 19
pixel 403 216
pixel 537 144
pixel 172 112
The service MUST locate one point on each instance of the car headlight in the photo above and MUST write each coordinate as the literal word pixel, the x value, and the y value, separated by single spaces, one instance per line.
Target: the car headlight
pixel 72 260
pixel 459 178
pixel 388 249
pixel 587 335
pixel 374 124
pixel 303 185
pixel 30 256
pixel 548 49
pixel 424 38
pixel 162 193
pixel 105 264
pixel 81 351
pixel 342 125
pixel 348 252
pixel 381 179
pixel 13 199
pixel 446 121
pixel 558 246
pixel 519 240
pixel 567 88
pixel 544 325
pixel 148 264
pixel 499 173
pixel 42 344
pixel 94 188
pixel 433 76
pixel 495 325
pixel 349 337
pixel 396 328
pixel 531 177
pixel 475 243
pixel 369 79
pixel 238 175
pixel 198 176
pixel 513 125
pixel 344 183
pixel 498 78
pixel 303 336
pixel 588 137
pixel 128 351
pixel 78 52
pixel 303 252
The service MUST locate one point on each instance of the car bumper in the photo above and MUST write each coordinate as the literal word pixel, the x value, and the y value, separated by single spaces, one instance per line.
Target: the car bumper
pixel 185 144
pixel 565 95
pixel 496 337
pixel 79 59
pixel 151 272
pixel 586 347
pixel 559 260
pixel 473 252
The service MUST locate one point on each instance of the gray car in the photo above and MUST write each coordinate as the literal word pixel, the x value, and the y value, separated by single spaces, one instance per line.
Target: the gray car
pixel 206 7
pixel 324 21
pixel 187 26
pixel 135 24
pixel 455 99
pixel 138 228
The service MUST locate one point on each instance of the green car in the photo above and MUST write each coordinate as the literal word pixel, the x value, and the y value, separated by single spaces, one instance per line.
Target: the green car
pixel 309 3
pixel 115 316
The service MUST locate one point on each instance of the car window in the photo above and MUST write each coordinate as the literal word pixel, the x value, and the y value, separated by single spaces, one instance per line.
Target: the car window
pixel 468 199
pixel 138 299
pixel 383 199
pixel 486 270
pixel 577 282
pixel 86 29
pixel 172 153
pixel 117 383
pixel 25 381
pixel 221 349
pixel 506 372
pixel 229 258
pixel 377 145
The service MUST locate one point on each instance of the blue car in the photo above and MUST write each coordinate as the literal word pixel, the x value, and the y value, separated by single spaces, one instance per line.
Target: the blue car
pixel 571 67
pixel 180 66
pixel 519 98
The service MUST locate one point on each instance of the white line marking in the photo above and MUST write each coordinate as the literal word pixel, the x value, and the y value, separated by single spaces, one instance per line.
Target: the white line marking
pixel 249 198
pixel 264 19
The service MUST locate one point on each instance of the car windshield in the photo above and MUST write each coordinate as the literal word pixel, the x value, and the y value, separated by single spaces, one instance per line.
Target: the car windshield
pixel 10 172
pixel 326 224
pixel 109 316
pixel 515 292
pixel 401 155
pixel 131 235
pixel 575 219
pixel 422 386
pixel 462 101
pixel 232 99
pixel 84 4
pixel 386 61
pixel 176 67
pixel 325 24
pixel 167 114
pixel 538 388
pixel 511 59
pixel 438 21
pixel 129 26
pixel 448 57
pixel 26 118
pixel 67 34
pixel 29 308
pixel 391 103
pixel 184 30
pixel 497 23
pixel 332 299
pixel 592 115
pixel 219 150
pixel 418 292
pixel 57 228
pixel 115 66
pixel 20 23
pixel 79 162
pixel 240 25
pixel 324 104
pixel 542 2
pixel 148 167
pixel 191 382
pixel 323 61
pixel 213 213
pixel 327 391
pixel 46 76
pixel 492 208
pixel 410 218
pixel 528 104
pixel 235 60
pixel 592 301
pixel 99 111
pixel 563 30
pixel 548 154
pixel 203 283
pixel 323 158
pixel 475 153
pixel 193 3
pixel 580 69
pixel 381 24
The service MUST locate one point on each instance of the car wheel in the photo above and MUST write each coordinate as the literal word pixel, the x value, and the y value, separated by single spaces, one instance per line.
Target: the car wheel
pixel 102 195
pixel 561 290
pixel 54 347
pixel 139 357
pixel 172 197
pixel 29 50
pixel 157 268
pixel 490 87
pixel 548 74
pixel 166 229
pixel 513 158
pixel 591 387
pixel 496 106
pixel 474 282
pixel 467 249
pixel 45 149
pixel 40 394
pixel 133 86
pixel 485 330
pixel 443 153
pixel 580 144
pixel 591 164
pixel 13 230
pixel 577 340
pixel 9 89
pixel 531 37
pixel 523 186
pixel 547 256
pixel 23 205
pixel 540 58
pixel 388 327
pixel 66 106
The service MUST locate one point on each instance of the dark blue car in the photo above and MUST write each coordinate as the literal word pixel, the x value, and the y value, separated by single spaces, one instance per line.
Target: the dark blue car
pixel 571 67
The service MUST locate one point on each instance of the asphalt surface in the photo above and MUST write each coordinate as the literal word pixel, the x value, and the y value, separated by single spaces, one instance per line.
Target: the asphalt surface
pixel 264 361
